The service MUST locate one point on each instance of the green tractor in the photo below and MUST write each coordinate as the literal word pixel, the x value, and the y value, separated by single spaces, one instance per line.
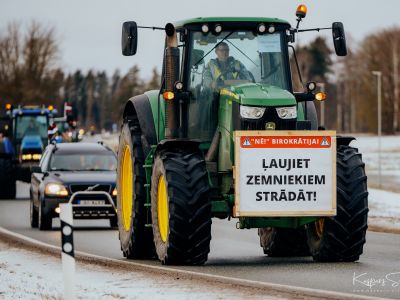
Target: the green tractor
pixel 179 148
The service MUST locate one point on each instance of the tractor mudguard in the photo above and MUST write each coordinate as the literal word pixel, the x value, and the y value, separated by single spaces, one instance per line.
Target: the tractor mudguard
pixel 311 114
pixel 140 107
pixel 187 144
pixel 344 140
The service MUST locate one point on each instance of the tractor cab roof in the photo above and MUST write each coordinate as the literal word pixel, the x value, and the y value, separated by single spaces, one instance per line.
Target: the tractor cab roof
pixel 202 20
pixel 33 110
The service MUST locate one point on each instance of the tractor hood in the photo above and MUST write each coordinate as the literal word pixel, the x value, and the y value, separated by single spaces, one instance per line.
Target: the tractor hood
pixel 255 94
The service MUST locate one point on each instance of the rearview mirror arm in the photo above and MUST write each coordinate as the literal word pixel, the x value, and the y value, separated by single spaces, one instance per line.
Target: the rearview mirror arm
pixel 313 29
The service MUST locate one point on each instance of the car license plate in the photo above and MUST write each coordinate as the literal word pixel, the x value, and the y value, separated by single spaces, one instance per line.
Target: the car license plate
pixel 91 202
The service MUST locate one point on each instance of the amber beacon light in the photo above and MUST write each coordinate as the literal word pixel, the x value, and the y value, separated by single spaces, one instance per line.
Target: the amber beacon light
pixel 301 11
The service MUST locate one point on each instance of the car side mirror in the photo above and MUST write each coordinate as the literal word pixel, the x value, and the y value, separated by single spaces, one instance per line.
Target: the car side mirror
pixel 129 38
pixel 36 169
pixel 339 39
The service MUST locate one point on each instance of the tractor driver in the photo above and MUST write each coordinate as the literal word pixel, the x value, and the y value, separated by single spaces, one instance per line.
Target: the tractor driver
pixel 224 67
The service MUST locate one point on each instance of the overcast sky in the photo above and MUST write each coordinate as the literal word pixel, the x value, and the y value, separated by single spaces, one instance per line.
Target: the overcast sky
pixel 89 31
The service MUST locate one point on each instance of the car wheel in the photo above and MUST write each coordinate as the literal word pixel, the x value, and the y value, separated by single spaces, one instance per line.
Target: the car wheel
pixel 34 218
pixel 44 222
pixel 114 222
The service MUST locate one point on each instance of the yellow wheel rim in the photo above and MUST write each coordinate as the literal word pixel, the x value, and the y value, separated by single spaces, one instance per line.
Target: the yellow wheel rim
pixel 126 188
pixel 319 227
pixel 162 208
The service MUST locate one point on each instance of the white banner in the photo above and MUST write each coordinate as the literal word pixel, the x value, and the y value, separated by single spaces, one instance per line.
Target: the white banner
pixel 282 173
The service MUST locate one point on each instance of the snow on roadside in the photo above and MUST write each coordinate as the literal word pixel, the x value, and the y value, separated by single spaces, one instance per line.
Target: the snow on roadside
pixel 384 209
pixel 32 275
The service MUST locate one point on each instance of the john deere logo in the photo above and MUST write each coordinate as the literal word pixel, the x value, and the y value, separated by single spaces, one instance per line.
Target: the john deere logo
pixel 270 126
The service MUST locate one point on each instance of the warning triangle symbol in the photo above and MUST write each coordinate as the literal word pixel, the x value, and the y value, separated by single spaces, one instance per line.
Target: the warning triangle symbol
pixel 325 142
pixel 246 142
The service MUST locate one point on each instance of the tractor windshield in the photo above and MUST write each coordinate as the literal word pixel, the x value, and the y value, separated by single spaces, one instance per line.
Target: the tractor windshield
pixel 230 58
pixel 31 125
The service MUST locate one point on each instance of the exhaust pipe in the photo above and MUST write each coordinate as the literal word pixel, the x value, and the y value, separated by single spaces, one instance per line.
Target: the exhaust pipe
pixel 171 69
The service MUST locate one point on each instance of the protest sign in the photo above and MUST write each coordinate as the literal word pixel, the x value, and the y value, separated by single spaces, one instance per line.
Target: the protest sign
pixel 285 173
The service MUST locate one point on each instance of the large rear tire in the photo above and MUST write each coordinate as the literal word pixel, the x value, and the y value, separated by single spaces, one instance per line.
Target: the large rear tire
pixel 283 242
pixel 7 179
pixel 341 238
pixel 136 240
pixel 180 208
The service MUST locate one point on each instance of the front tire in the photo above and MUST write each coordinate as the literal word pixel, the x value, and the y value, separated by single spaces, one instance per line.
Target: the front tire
pixel 136 240
pixel 180 208
pixel 342 237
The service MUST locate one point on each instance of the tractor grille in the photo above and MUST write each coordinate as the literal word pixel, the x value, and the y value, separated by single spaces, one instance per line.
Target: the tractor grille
pixel 82 187
pixel 270 115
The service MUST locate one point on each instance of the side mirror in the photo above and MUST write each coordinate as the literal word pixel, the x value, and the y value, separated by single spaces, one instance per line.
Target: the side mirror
pixel 197 57
pixel 339 39
pixel 129 38
pixel 36 169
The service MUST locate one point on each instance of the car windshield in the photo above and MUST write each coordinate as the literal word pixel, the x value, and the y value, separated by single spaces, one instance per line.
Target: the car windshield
pixel 31 125
pixel 83 162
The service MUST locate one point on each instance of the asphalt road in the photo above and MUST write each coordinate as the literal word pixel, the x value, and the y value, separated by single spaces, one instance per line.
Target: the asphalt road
pixel 236 253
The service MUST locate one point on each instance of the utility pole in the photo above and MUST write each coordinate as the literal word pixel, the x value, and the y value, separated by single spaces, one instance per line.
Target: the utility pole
pixel 396 88
pixel 378 75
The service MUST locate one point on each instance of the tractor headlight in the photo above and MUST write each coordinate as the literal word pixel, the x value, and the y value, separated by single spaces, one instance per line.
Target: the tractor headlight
pixel 55 189
pixel 26 156
pixel 251 112
pixel 36 156
pixel 287 112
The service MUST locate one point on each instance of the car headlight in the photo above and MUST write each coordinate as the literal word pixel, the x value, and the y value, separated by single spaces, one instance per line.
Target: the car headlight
pixel 287 112
pixel 114 192
pixel 251 112
pixel 55 189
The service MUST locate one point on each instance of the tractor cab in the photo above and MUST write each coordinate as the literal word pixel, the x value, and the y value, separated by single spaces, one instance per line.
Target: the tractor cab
pixel 29 131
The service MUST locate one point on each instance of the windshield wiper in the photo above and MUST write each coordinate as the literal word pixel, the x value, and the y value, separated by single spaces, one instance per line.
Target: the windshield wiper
pixel 61 169
pixel 216 45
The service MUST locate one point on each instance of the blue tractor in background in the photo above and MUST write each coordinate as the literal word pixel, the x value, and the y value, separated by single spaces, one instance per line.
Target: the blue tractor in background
pixel 23 137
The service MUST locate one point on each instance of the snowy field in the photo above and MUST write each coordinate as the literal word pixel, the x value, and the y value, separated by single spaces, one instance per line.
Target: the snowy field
pixel 389 160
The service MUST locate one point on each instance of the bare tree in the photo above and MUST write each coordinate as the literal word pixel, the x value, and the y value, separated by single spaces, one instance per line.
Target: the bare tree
pixel 28 72
pixel 377 52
